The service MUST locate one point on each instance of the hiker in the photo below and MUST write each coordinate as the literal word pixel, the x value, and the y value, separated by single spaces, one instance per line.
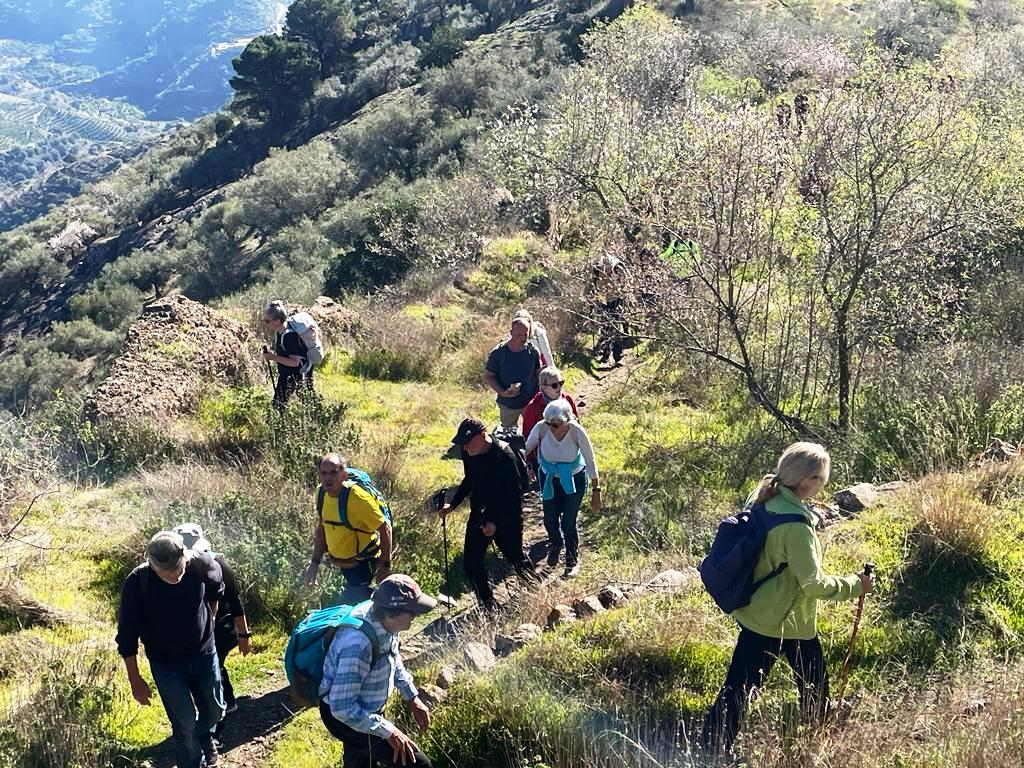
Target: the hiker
pixel 552 382
pixel 495 479
pixel 608 282
pixel 293 369
pixel 566 459
pixel 360 674
pixel 169 602
pixel 511 371
pixel 781 616
pixel 538 337
pixel 358 542
pixel 231 628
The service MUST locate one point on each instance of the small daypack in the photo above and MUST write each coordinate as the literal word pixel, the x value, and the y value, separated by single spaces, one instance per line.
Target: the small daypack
pixel 307 649
pixel 515 440
pixel 728 569
pixel 363 480
pixel 308 330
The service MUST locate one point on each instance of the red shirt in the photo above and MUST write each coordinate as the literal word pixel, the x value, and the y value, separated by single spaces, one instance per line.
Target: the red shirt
pixel 534 413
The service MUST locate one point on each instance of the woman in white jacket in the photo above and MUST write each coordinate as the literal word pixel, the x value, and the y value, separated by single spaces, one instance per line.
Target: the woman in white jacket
pixel 566 466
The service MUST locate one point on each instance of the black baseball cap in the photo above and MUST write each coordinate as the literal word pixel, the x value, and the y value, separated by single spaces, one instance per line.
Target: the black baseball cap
pixel 468 429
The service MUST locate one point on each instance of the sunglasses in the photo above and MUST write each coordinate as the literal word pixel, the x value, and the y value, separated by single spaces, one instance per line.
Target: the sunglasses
pixel 555 384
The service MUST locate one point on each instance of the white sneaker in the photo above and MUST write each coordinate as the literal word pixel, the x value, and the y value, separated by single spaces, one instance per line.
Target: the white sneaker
pixel 571 573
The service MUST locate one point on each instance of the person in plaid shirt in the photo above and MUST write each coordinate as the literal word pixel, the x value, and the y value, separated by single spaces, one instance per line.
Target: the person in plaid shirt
pixel 359 678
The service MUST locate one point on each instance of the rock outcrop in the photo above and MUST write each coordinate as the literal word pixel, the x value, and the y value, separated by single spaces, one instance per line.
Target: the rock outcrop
pixel 173 355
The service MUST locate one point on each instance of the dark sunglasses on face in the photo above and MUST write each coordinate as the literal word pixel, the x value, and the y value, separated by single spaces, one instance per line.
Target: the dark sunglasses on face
pixel 555 384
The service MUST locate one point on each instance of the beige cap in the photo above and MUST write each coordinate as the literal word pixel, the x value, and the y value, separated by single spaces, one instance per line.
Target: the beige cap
pixel 166 551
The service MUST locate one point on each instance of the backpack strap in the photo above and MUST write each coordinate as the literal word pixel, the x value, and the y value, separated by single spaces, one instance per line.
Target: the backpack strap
pixel 769 522
pixel 361 625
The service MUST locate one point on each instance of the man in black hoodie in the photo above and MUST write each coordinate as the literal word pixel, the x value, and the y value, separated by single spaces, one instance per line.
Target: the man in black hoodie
pixel 494 481
pixel 169 602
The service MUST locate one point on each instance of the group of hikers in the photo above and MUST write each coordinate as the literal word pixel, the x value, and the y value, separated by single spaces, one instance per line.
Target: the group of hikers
pixel 184 604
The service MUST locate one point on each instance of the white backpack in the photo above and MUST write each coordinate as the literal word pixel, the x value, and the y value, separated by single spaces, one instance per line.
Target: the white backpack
pixel 303 324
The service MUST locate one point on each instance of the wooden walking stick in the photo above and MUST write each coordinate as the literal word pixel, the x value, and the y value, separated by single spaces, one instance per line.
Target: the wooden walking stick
pixel 844 676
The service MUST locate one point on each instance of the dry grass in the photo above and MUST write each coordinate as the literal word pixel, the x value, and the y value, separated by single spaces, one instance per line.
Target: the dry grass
pixel 956 521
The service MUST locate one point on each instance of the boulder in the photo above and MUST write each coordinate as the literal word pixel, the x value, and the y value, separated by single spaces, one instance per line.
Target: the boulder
pixel 335 320
pixel 672 580
pixel 560 614
pixel 478 657
pixel 432 695
pixel 856 498
pixel 177 353
pixel 611 597
pixel 446 677
pixel 524 634
pixel 588 606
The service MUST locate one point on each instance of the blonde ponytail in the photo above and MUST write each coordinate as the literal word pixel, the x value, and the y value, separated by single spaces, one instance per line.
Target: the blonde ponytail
pixel 798 463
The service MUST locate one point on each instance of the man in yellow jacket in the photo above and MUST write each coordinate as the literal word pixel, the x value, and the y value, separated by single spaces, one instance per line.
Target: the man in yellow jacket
pixel 357 538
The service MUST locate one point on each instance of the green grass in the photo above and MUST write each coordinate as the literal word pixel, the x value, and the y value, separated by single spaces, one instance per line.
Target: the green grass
pixel 305 743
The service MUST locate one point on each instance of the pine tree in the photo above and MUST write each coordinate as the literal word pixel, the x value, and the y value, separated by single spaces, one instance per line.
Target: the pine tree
pixel 274 78
pixel 329 26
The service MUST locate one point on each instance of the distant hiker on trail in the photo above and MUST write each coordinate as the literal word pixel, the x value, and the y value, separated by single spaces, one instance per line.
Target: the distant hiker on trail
pixel 552 383
pixel 231 628
pixel 297 348
pixel 538 337
pixel 495 479
pixel 608 289
pixel 781 617
pixel 566 460
pixel 170 602
pixel 511 371
pixel 360 674
pixel 353 528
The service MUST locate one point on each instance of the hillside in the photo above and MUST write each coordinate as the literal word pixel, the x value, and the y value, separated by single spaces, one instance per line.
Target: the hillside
pixel 85 86
pixel 616 686
pixel 800 220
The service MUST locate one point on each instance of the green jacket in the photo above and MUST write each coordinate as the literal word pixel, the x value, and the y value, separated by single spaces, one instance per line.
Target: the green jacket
pixel 786 606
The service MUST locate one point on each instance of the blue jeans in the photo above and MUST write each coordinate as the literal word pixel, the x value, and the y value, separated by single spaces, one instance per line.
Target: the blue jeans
pixel 561 516
pixel 187 689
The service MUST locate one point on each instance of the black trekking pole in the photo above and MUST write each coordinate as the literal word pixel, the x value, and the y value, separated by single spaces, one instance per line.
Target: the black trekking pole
pixel 438 503
pixel 844 676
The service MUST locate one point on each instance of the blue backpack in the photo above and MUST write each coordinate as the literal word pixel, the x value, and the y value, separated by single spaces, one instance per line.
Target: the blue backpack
pixel 728 569
pixel 308 646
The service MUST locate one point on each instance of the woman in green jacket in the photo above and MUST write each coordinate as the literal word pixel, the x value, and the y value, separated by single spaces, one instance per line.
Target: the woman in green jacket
pixel 781 616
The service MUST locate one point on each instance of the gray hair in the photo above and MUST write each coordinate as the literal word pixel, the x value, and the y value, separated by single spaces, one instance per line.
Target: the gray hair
pixel 334 458
pixel 549 373
pixel 558 410
pixel 275 311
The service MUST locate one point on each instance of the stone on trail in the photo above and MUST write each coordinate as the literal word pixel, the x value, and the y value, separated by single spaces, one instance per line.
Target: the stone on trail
pixel 560 614
pixel 588 606
pixel 524 634
pixel 478 657
pixel 856 498
pixel 446 677
pixel 611 597
pixel 432 695
pixel 673 580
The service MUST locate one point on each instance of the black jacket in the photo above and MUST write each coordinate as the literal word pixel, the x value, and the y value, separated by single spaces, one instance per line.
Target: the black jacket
pixel 494 483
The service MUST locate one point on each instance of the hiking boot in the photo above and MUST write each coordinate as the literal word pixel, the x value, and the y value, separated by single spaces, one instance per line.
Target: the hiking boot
pixel 553 554
pixel 571 571
pixel 211 754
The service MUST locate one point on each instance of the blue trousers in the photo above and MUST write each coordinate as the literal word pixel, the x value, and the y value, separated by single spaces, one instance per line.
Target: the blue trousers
pixel 192 697
pixel 561 516
pixel 357 583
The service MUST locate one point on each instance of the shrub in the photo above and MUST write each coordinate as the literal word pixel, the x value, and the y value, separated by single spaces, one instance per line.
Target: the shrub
pixel 304 431
pixel 511 270
pixel 390 348
pixel 61 723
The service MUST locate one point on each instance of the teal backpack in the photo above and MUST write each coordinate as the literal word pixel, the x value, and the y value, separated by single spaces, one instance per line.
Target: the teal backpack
pixel 307 649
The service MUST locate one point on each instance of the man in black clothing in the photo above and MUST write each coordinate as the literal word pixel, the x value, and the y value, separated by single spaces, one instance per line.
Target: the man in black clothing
pixel 170 602
pixel 289 354
pixel 231 629
pixel 494 481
